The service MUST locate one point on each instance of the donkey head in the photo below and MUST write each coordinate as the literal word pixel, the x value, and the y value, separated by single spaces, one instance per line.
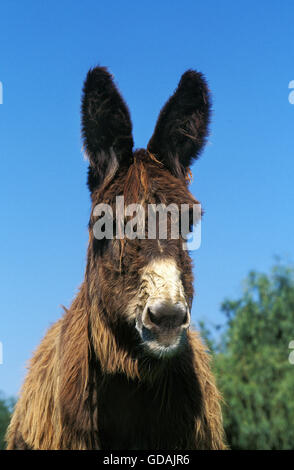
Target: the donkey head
pixel 142 284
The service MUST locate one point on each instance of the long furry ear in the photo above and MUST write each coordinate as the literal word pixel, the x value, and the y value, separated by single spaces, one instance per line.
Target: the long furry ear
pixel 106 126
pixel 181 130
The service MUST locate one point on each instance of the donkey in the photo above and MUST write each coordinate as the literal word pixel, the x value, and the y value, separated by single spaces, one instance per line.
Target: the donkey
pixel 122 369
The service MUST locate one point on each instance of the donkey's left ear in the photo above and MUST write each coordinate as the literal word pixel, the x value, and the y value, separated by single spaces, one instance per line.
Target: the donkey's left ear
pixel 106 127
pixel 182 126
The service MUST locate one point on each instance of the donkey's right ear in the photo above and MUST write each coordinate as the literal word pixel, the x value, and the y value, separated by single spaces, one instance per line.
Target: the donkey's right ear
pixel 106 127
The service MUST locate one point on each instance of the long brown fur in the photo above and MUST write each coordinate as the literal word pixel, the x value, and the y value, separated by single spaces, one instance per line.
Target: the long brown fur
pixel 91 384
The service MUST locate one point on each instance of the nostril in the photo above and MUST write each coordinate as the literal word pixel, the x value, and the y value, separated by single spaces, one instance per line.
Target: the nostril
pixel 181 315
pixel 185 320
pixel 153 317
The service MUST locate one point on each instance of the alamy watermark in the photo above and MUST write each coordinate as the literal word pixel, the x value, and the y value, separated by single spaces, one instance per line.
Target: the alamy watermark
pixel 1 353
pixel 149 221
pixel 291 355
pixel 291 94
pixel 1 93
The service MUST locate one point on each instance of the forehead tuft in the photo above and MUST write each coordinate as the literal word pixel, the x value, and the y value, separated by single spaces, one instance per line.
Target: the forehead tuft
pixel 145 180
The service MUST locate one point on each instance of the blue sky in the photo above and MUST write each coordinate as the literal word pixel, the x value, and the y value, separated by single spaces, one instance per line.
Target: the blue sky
pixel 244 179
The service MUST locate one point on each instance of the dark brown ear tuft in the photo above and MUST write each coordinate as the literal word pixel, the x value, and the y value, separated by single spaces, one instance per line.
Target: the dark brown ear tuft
pixel 106 126
pixel 182 126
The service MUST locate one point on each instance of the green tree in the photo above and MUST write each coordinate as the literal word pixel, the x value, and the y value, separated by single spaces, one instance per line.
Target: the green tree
pixel 6 406
pixel 252 363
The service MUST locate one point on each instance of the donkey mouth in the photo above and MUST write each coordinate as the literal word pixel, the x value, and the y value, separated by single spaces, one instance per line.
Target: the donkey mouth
pixel 164 343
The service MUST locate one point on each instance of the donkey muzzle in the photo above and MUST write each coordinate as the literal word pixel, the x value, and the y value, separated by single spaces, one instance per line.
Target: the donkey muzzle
pixel 163 325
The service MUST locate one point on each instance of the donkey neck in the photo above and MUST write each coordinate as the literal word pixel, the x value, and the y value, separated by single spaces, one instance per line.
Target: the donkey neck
pixel 158 414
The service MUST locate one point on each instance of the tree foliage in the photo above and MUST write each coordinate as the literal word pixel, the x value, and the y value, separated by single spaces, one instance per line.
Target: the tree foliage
pixel 6 406
pixel 252 363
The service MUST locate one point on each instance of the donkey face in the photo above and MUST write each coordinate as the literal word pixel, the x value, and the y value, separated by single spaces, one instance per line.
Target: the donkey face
pixel 143 280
